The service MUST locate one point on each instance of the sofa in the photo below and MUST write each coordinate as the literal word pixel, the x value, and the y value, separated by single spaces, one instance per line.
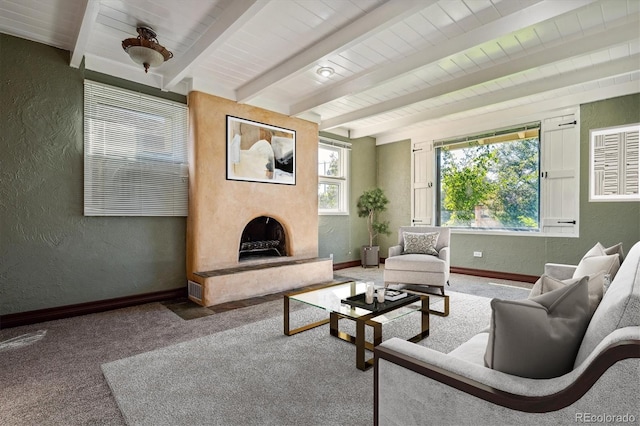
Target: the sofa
pixel 415 385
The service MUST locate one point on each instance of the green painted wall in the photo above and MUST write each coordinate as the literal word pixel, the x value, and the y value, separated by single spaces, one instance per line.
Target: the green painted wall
pixel 343 235
pixel 394 177
pixel 50 254
pixel 608 223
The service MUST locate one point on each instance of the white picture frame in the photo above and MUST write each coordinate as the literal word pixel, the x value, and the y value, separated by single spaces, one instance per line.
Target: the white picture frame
pixel 258 152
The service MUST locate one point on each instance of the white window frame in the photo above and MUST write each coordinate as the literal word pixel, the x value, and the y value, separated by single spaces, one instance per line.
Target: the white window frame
pixel 134 167
pixel 574 233
pixel 517 133
pixel 342 180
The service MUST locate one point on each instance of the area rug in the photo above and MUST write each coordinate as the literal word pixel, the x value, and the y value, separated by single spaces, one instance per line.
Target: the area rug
pixel 255 375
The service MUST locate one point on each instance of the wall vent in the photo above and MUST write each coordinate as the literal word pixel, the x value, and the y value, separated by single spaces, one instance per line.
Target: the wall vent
pixel 195 290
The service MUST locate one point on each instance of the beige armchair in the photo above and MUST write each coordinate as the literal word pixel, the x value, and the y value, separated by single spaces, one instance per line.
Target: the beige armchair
pixel 429 270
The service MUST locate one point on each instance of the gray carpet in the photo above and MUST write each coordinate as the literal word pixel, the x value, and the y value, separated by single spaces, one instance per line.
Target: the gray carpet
pixel 254 375
pixel 50 372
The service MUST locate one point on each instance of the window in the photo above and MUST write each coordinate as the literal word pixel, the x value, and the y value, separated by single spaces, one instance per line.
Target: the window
pixel 135 154
pixel 333 172
pixel 491 181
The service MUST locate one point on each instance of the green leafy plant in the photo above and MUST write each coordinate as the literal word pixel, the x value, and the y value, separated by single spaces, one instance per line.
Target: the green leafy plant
pixel 370 203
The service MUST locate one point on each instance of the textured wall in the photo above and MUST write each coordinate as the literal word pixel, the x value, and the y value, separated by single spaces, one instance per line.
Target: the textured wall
pixel 394 177
pixel 342 235
pixel 50 254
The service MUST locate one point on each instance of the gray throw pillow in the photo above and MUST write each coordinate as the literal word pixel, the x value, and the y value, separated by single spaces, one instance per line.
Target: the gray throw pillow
pixel 420 243
pixel 539 337
pixel 616 249
pixel 546 283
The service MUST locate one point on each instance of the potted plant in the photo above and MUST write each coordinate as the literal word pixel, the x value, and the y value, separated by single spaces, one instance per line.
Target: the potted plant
pixel 371 203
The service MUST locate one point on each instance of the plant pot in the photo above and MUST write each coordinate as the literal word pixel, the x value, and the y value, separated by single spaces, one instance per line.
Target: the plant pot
pixel 370 256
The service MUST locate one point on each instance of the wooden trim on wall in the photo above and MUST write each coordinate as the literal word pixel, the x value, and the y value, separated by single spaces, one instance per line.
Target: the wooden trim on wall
pixel 494 274
pixel 344 265
pixel 459 270
pixel 60 312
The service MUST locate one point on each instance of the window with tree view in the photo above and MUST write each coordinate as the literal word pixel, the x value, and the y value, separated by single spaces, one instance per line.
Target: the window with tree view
pixel 332 178
pixel 491 181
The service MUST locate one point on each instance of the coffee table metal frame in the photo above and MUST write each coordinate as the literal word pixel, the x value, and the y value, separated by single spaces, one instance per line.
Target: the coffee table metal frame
pixel 361 319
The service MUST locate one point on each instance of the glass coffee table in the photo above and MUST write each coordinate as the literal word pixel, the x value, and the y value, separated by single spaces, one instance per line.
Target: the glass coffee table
pixel 331 298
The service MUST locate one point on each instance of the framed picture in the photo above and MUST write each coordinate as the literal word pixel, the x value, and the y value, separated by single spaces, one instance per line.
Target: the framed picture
pixel 259 152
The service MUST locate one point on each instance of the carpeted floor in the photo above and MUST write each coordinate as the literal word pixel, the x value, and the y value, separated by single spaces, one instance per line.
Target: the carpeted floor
pixel 50 373
pixel 254 375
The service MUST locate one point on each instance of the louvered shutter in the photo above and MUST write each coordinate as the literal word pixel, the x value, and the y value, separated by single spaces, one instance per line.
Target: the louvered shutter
pixel 615 164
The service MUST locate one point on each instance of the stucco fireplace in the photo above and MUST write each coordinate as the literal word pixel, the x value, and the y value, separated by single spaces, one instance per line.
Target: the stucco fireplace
pixel 221 210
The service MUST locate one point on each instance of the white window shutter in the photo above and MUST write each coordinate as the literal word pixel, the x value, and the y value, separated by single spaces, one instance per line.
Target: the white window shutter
pixel 615 164
pixel 135 154
pixel 559 169
pixel 422 195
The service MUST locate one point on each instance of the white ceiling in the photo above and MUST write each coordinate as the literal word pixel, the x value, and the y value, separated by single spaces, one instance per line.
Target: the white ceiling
pixel 403 67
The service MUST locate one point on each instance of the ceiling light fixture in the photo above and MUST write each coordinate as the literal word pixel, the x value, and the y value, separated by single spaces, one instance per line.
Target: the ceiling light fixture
pixel 325 71
pixel 145 49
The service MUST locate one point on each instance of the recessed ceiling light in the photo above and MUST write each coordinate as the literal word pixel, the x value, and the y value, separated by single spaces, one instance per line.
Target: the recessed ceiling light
pixel 325 71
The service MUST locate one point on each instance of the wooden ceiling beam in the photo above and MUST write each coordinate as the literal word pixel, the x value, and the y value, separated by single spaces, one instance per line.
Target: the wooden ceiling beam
pixel 565 50
pixel 91 9
pixel 238 13
pixel 594 73
pixel 375 21
pixel 522 18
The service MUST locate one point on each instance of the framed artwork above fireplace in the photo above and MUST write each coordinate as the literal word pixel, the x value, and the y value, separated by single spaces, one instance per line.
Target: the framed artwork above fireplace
pixel 259 152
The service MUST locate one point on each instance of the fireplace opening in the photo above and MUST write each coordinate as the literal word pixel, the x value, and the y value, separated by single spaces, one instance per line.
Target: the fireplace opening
pixel 263 237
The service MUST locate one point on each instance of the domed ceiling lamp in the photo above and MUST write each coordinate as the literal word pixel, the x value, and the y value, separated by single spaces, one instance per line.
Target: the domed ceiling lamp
pixel 145 49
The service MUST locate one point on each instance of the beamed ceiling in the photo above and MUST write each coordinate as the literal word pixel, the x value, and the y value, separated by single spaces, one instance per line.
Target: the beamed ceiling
pixel 403 68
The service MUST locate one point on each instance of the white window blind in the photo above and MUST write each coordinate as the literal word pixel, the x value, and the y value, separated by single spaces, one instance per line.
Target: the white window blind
pixel 135 154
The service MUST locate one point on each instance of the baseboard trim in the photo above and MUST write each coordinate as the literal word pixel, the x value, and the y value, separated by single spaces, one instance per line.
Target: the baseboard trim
pixel 60 312
pixel 494 274
pixel 459 270
pixel 344 265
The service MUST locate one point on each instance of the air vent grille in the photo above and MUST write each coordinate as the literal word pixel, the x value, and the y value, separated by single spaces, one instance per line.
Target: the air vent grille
pixel 195 290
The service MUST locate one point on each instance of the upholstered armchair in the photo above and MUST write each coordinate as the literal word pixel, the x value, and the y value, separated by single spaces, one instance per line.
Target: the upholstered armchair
pixel 421 258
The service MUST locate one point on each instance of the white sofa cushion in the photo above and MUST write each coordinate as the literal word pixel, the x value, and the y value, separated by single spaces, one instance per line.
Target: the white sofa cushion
pixel 594 264
pixel 415 262
pixel 539 337
pixel 473 350
pixel 620 306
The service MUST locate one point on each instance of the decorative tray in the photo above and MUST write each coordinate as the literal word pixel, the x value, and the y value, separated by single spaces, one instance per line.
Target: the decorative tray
pixel 359 301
